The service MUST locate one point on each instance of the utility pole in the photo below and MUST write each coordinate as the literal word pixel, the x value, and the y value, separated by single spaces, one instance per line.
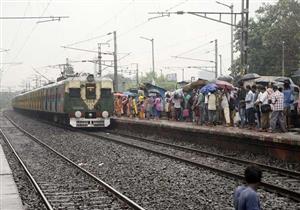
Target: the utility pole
pixel 221 72
pixel 231 35
pixel 100 58
pixel 246 12
pixel 242 39
pixel 152 42
pixel 137 73
pixel 115 62
pixel 216 58
pixel 282 62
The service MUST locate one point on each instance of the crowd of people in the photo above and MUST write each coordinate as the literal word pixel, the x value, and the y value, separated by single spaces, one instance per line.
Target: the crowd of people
pixel 254 107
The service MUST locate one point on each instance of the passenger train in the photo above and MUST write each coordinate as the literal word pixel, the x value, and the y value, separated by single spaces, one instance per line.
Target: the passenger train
pixel 79 100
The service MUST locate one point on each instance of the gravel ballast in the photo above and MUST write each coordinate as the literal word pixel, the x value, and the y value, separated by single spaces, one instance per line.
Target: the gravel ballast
pixel 152 181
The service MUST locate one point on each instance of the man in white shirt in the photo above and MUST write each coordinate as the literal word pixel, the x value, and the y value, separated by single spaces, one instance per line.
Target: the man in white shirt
pixel 250 112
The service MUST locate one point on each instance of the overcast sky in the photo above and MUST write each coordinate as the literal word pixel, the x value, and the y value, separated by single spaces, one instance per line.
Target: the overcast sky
pixel 39 45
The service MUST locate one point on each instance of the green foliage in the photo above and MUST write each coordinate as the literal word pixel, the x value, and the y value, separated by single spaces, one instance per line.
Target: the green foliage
pixel 160 81
pixel 272 25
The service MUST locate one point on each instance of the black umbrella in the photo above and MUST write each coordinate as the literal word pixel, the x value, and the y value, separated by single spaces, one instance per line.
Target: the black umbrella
pixel 225 78
pixel 250 76
pixel 284 79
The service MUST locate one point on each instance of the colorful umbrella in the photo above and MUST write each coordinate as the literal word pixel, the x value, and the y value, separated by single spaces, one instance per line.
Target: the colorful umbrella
pixel 224 85
pixel 118 94
pixel 250 76
pixel 209 88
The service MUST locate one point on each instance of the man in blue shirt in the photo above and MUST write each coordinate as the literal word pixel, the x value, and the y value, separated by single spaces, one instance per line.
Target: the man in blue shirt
pixel 288 102
pixel 246 197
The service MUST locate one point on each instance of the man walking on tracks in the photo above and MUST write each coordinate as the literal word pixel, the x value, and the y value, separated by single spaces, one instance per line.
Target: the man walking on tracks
pixel 245 197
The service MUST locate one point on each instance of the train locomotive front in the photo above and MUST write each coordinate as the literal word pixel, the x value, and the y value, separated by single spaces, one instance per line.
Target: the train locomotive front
pixel 81 101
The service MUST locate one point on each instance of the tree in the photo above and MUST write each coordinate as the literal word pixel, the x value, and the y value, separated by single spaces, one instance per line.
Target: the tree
pixel 272 25
pixel 160 81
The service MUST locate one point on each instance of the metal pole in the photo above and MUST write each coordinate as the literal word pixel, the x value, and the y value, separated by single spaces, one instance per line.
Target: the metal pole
pixel 282 70
pixel 153 70
pixel 242 39
pixel 99 60
pixel 231 8
pixel 246 36
pixel 221 65
pixel 216 58
pixel 137 74
pixel 115 63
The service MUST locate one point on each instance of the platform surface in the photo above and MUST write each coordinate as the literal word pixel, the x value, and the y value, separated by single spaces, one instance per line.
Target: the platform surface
pixel 9 195
pixel 290 138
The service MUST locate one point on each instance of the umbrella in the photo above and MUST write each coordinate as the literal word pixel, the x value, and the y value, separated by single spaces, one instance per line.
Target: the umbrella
pixel 224 85
pixel 284 79
pixel 129 94
pixel 250 76
pixel 118 94
pixel 209 88
pixel 225 78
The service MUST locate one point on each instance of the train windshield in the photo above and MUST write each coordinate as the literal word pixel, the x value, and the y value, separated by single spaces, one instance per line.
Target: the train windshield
pixel 105 92
pixel 90 91
pixel 74 92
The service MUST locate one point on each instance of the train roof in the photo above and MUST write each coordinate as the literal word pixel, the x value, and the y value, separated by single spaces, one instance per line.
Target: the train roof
pixel 82 77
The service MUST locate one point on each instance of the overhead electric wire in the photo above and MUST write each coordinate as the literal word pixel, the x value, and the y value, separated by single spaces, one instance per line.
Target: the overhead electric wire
pixel 195 48
pixel 86 40
pixel 177 5
pixel 19 27
pixel 31 32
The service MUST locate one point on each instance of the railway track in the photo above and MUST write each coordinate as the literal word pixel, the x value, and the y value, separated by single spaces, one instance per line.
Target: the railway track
pixel 60 182
pixel 276 180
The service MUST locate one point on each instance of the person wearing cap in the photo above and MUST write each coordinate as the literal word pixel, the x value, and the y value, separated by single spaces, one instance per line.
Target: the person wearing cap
pixel 277 115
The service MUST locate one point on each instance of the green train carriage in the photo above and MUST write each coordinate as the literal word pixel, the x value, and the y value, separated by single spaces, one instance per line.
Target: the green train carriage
pixel 81 101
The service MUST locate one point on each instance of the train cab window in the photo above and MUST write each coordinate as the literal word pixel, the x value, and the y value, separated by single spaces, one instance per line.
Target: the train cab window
pixel 105 92
pixel 90 92
pixel 74 92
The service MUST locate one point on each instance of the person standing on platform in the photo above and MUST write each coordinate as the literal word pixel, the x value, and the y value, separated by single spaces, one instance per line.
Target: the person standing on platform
pixel 225 107
pixel 250 111
pixel 277 115
pixel 265 108
pixel 242 104
pixel 147 107
pixel 201 104
pixel 167 106
pixel 246 197
pixel 212 108
pixel 118 106
pixel 288 103
pixel 177 106
pixel 158 106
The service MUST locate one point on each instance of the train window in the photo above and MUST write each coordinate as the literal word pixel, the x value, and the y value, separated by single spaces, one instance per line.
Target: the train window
pixel 90 91
pixel 74 92
pixel 105 92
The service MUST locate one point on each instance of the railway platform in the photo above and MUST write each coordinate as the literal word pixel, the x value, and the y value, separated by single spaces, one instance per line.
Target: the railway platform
pixel 285 146
pixel 9 195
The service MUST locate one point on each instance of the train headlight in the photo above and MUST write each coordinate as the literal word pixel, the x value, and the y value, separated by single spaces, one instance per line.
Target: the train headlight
pixel 78 114
pixel 105 114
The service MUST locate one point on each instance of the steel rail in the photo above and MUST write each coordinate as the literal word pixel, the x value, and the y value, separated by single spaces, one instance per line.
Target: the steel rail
pixel 268 187
pixel 35 184
pixel 294 174
pixel 119 195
